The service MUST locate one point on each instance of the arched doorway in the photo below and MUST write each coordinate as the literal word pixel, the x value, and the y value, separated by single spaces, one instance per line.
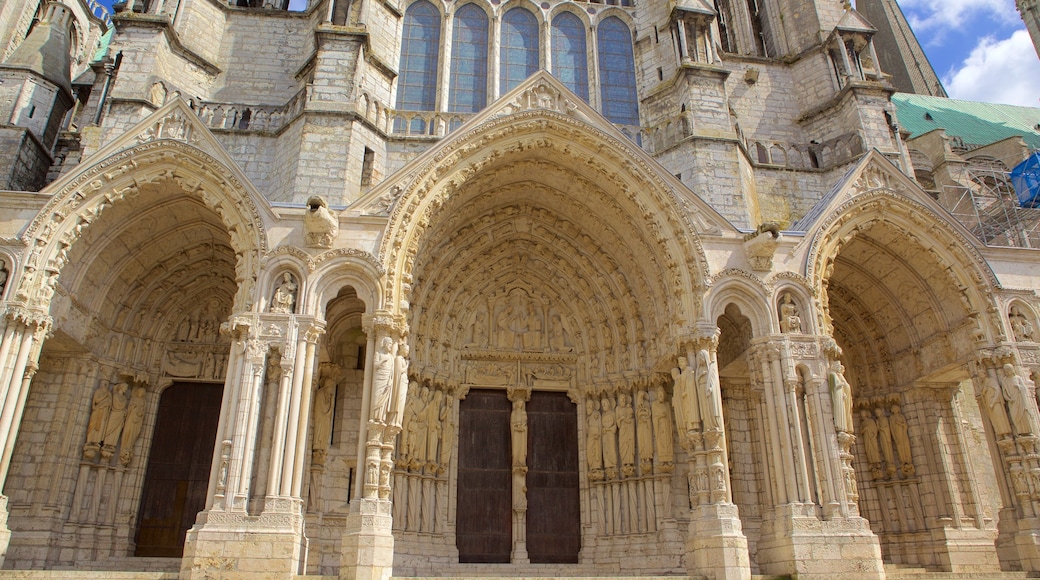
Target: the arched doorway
pixel 909 327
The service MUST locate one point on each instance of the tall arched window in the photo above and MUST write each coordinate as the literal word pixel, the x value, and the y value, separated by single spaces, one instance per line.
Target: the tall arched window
pixel 420 45
pixel 569 62
pixel 617 72
pixel 467 87
pixel 519 58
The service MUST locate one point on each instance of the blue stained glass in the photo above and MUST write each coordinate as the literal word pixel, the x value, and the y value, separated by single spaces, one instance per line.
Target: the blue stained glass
pixel 420 44
pixel 569 55
pixel 519 58
pixel 467 86
pixel 617 71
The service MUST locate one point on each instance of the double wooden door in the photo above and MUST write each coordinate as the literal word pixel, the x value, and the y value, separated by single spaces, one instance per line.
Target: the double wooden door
pixel 177 477
pixel 484 527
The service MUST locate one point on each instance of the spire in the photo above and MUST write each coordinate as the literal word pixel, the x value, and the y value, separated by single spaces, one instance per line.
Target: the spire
pixel 898 49
pixel 46 50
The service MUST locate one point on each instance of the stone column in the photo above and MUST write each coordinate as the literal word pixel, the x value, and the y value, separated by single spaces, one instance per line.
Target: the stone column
pixel 518 428
pixel 716 546
pixel 368 544
pixel 226 534
pixel 23 332
pixel 1008 404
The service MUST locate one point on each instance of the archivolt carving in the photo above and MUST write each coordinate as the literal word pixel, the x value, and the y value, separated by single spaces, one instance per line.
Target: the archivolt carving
pixel 552 135
pixel 84 197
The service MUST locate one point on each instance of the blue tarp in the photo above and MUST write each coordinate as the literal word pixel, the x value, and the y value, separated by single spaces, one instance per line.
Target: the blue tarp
pixel 1026 179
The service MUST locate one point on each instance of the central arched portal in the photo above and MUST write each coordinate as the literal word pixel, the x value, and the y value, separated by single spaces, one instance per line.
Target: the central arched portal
pixel 541 304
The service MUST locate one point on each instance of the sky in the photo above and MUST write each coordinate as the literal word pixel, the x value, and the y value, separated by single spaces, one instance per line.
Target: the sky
pixel 979 48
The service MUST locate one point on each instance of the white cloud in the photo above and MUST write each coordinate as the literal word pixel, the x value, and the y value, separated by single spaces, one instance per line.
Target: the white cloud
pixel 999 71
pixel 935 16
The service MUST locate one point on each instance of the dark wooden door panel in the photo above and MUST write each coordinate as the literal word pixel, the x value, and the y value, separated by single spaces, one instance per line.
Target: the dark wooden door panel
pixel 553 508
pixel 484 513
pixel 177 477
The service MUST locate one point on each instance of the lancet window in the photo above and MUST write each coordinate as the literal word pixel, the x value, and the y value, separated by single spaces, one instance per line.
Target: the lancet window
pixel 520 48
pixel 569 53
pixel 467 87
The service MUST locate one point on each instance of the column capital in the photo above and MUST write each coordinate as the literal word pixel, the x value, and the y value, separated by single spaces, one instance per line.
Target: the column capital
pixel 35 319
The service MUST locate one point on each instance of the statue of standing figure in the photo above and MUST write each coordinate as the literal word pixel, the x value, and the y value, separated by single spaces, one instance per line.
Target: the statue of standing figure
pixel 101 406
pixel 663 442
pixel 593 436
pixel 518 420
pixel 685 399
pixel 841 399
pixel 868 432
pixel 116 418
pixel 134 421
pixel 644 431
pixel 1017 396
pixel 708 392
pixel 993 399
pixel 901 435
pixel 324 402
pixel 626 433
pixel 382 380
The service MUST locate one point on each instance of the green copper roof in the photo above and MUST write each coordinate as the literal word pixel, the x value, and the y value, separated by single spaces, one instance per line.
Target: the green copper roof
pixel 106 39
pixel 974 124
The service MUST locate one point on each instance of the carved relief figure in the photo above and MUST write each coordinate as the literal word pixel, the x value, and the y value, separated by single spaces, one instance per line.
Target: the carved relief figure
pixel 664 444
pixel 593 436
pixel 419 431
pixel 435 413
pixel 382 379
pixel 134 420
pixel 101 406
pixel 626 432
pixel 116 417
pixel 710 398
pixel 447 432
pixel 1020 325
pixel 901 435
pixel 868 428
pixel 558 335
pixel 324 401
pixel 609 420
pixel 644 430
pixel 685 399
pixel 400 384
pixel 885 438
pixel 284 299
pixel 993 399
pixel 519 326
pixel 480 330
pixel 790 322
pixel 1017 396
pixel 841 399
pixel 407 429
pixel 518 420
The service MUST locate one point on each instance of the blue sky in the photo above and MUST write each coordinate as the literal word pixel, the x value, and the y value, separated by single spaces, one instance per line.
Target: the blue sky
pixel 979 48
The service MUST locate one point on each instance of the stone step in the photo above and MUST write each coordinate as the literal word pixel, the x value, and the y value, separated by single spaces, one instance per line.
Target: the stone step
pixel 903 572
pixel 84 575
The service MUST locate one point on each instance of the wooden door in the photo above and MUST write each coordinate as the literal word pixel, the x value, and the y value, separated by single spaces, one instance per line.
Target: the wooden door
pixel 484 513
pixel 553 509
pixel 177 477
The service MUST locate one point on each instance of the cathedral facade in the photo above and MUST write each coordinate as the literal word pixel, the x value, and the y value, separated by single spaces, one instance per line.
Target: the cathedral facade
pixel 481 288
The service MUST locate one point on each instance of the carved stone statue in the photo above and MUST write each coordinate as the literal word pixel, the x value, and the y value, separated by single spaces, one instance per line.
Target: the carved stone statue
pixel 685 398
pixel 885 438
pixel 284 299
pixel 382 380
pixel 134 420
pixel 480 330
pixel 710 397
pixel 518 420
pixel 400 385
pixel 407 431
pixel 447 433
pixel 1020 325
pixel 4 276
pixel 664 444
pixel 593 436
pixel 1017 396
pixel 558 335
pixel 841 399
pixel 868 428
pixel 324 402
pixel 320 226
pixel 993 400
pixel 435 412
pixel 519 326
pixel 101 406
pixel 644 430
pixel 626 432
pixel 901 435
pixel 609 420
pixel 790 322
pixel 419 431
pixel 116 418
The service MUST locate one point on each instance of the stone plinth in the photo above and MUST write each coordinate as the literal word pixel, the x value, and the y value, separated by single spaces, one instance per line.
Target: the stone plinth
pixel 717 548
pixel 368 545
pixel 808 547
pixel 237 546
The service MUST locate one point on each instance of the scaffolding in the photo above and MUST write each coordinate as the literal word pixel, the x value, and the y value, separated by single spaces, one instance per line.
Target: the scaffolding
pixel 990 208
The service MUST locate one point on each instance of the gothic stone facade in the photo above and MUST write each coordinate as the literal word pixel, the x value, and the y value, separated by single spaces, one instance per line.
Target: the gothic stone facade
pixel 269 300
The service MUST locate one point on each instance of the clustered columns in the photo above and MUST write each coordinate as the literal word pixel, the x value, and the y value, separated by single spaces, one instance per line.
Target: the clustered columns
pixel 716 542
pixel 1011 412
pixel 368 545
pixel 230 524
pixel 23 332
pixel 693 31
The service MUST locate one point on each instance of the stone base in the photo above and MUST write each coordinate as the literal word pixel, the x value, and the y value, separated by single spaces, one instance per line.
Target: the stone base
pixel 5 533
pixel 807 547
pixel 717 548
pixel 968 550
pixel 1018 543
pixel 240 547
pixel 368 545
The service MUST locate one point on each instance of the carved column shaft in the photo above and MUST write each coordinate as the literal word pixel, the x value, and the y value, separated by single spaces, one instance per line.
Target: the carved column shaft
pixel 274 467
pixel 19 352
pixel 219 468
